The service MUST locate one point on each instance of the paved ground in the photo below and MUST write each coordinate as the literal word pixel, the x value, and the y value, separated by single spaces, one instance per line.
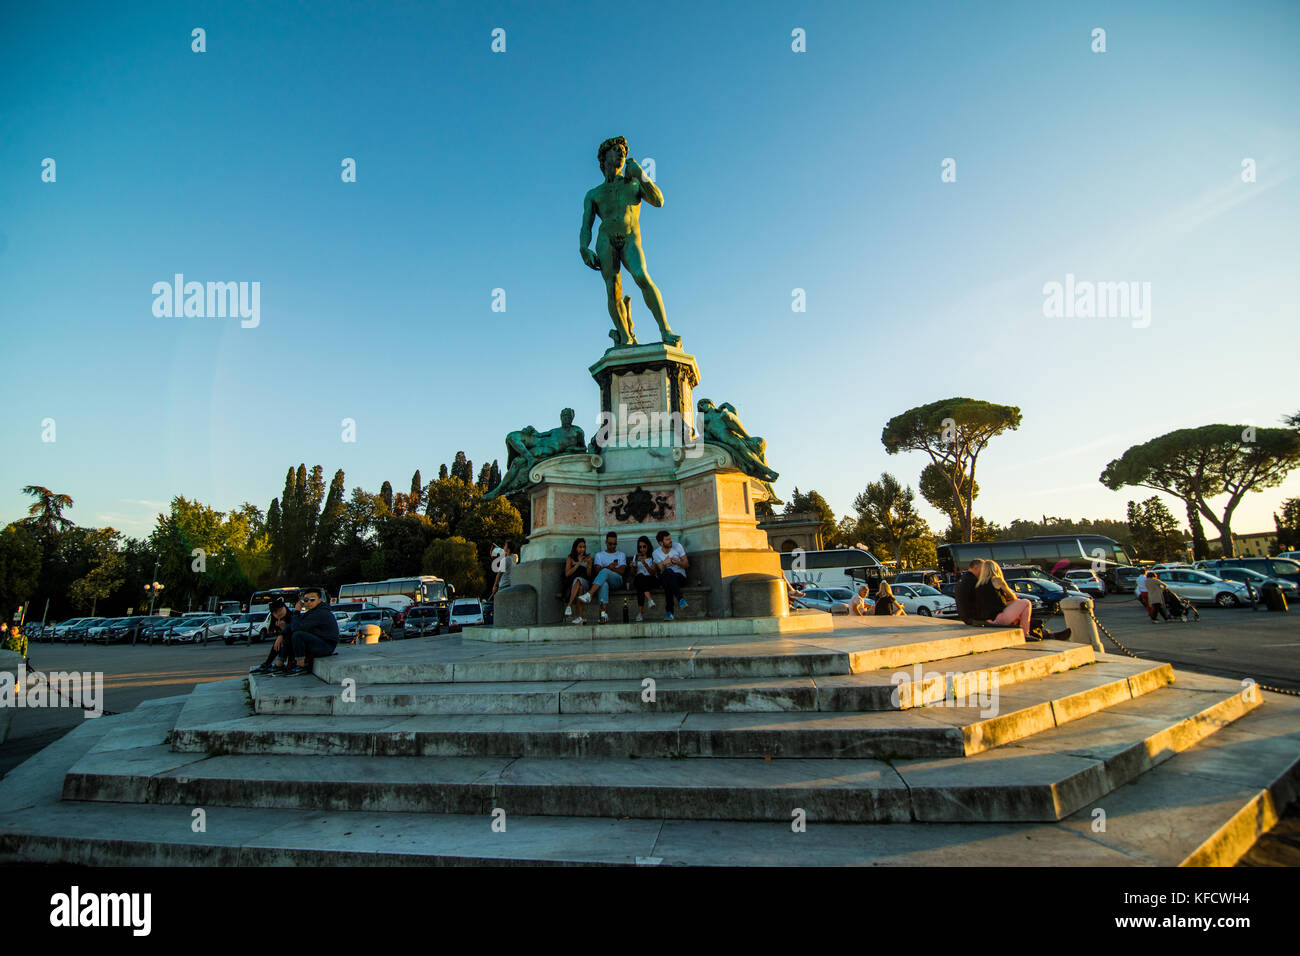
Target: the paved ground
pixel 1226 642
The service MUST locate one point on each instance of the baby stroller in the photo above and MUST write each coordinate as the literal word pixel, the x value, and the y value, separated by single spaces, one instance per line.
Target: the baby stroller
pixel 1179 608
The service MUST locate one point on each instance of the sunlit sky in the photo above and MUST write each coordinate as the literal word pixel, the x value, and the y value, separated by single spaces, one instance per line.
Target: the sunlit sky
pixel 781 170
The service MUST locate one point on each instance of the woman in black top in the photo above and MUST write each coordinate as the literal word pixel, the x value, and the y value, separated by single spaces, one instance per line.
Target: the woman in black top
pixel 577 577
pixel 643 566
pixel 886 603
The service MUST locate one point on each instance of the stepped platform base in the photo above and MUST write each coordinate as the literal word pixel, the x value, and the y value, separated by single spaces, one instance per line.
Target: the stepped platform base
pixel 923 743
pixel 801 622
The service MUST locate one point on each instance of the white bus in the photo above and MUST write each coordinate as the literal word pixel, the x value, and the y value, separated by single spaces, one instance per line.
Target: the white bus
pixel 397 593
pixel 260 602
pixel 843 568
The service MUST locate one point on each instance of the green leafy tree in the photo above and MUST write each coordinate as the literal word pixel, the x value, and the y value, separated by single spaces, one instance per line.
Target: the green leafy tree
pixel 20 567
pixel 488 522
pixel 456 561
pixel 813 503
pixel 953 433
pixel 448 501
pixel 442 472
pixel 1199 464
pixel 401 541
pixel 1154 531
pixel 106 574
pixel 386 496
pixel 1288 525
pixel 327 528
pixel 887 515
pixel 936 487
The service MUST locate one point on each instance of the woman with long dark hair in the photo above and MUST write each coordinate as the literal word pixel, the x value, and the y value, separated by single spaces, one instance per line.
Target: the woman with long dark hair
pixel 643 566
pixel 577 577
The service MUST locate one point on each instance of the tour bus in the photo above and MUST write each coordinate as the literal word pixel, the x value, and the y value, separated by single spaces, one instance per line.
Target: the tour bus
pixel 260 602
pixel 842 568
pixel 1043 551
pixel 399 593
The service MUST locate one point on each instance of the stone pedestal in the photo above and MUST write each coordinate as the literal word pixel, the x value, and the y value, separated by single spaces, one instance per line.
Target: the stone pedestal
pixel 651 473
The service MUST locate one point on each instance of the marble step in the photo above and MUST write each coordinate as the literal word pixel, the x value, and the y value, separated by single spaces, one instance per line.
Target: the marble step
pixel 871 690
pixel 850 651
pixel 219 721
pixel 1044 778
pixel 1203 806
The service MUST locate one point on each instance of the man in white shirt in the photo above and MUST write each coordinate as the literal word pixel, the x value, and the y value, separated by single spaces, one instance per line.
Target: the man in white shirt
pixel 611 567
pixel 1142 592
pixel 862 604
pixel 671 563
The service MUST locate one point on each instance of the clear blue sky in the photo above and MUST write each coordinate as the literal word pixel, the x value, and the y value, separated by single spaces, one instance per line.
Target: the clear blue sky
pixel 818 170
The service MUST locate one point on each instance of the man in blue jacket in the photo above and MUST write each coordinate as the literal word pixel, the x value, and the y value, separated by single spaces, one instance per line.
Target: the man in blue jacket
pixel 315 631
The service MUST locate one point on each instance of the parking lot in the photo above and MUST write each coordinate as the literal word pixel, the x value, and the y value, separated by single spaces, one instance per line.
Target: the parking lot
pixel 1235 642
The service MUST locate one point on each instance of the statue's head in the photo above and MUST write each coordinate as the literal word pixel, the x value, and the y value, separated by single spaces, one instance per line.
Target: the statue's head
pixel 566 417
pixel 704 405
pixel 611 155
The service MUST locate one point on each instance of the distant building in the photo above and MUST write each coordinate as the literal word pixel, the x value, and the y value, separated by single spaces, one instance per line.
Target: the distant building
pixel 787 532
pixel 1259 544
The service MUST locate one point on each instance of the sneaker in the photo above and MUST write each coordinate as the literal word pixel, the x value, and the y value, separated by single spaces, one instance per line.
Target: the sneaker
pixel 1061 635
pixel 639 618
pixel 264 669
pixel 668 616
pixel 604 618
pixel 585 597
pixel 649 602
pixel 568 611
pixel 681 604
pixel 575 620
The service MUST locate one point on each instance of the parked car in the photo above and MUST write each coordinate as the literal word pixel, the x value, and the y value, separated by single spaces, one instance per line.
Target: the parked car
pixel 249 626
pixel 1087 582
pixel 155 632
pixel 1256 581
pixel 79 631
pixel 1280 568
pixel 1289 555
pixel 422 619
pixel 197 630
pixel 924 600
pixel 100 632
pixel 384 617
pixel 58 632
pixel 1122 579
pixel 466 612
pixel 1050 592
pixel 823 599
pixel 1198 587
pixel 121 630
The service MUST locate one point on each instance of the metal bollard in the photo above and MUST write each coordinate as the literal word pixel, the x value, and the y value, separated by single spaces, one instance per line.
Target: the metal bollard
pixel 1080 621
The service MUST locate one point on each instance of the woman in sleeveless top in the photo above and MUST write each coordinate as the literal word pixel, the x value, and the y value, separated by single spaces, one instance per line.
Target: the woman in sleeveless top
pixel 643 566
pixel 577 578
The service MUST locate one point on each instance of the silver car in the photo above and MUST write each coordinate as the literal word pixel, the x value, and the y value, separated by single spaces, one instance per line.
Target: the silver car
pixel 1201 588
pixel 823 599
pixel 199 630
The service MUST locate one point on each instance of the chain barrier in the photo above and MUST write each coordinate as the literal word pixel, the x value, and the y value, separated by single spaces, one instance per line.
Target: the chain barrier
pixel 1111 637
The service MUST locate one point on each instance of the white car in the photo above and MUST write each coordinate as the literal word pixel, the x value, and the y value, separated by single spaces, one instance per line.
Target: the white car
pixel 1087 582
pixel 924 600
pixel 466 612
pixel 199 629
pixel 247 625
pixel 1201 588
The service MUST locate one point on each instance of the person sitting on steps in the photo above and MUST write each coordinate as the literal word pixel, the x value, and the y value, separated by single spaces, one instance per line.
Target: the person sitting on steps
pixel 315 632
pixel 611 567
pixel 671 563
pixel 886 603
pixel 643 567
pixel 279 627
pixel 578 573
